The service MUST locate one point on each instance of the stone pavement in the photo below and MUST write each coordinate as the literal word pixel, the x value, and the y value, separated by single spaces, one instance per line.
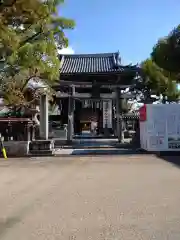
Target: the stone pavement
pixel 125 197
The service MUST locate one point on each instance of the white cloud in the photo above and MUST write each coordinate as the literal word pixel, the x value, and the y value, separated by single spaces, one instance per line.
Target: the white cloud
pixel 68 50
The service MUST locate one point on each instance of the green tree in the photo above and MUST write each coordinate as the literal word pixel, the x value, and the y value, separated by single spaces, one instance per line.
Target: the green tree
pixel 156 81
pixel 30 34
pixel 166 53
pixel 172 93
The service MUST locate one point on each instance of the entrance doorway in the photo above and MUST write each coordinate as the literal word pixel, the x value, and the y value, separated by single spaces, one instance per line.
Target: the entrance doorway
pixel 86 117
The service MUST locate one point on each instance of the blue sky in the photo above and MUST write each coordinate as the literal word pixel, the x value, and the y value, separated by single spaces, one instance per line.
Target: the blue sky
pixel 131 26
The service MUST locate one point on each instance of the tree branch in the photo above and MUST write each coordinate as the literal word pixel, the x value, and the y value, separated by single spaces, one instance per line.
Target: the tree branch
pixel 30 38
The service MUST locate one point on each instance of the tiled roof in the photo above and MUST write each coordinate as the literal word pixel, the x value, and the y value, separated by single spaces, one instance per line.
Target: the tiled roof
pixel 91 63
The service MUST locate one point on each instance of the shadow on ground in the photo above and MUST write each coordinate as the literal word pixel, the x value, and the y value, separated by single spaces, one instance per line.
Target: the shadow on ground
pixel 170 157
pixel 6 224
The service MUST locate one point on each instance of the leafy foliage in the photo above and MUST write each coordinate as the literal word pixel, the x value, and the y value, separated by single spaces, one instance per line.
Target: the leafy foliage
pixel 156 81
pixel 30 34
pixel 162 70
pixel 166 53
pixel 172 94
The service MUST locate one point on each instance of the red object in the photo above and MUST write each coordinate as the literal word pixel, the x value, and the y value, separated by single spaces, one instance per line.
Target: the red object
pixel 143 114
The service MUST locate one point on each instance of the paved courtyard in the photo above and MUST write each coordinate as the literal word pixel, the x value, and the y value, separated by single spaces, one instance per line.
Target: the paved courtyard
pixel 131 197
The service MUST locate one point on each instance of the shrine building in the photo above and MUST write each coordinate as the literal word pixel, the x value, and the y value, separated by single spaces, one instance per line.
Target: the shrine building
pixel 90 89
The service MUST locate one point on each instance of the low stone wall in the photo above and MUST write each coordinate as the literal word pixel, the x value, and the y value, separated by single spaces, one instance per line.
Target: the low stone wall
pixel 16 148
pixel 25 148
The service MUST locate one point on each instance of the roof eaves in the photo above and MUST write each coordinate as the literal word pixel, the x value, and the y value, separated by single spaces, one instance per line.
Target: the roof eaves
pixel 87 55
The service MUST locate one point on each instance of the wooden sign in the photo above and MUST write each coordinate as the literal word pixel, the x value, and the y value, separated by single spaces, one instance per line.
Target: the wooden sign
pixel 107 114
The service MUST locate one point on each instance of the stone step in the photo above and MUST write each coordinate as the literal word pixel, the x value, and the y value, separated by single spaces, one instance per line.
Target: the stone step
pixel 95 145
pixel 93 152
pixel 92 137
pixel 81 146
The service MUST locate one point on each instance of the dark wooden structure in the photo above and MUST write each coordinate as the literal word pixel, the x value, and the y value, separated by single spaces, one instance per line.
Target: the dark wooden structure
pixel 94 78
pixel 17 129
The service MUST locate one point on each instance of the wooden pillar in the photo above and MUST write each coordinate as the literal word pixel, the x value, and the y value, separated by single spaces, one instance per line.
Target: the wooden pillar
pixel 77 112
pixel 118 115
pixel 100 118
pixel 64 111
pixel 70 130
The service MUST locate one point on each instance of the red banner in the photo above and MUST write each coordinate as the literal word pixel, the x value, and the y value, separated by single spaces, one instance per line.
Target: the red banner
pixel 143 114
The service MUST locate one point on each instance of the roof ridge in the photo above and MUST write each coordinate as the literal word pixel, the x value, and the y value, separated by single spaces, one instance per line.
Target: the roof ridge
pixel 89 55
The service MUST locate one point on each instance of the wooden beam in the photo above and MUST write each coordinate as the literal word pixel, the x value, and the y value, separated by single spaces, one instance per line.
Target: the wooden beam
pixel 89 84
pixel 88 95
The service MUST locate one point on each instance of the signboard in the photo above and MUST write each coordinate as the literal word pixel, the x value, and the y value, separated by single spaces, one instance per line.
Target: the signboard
pixel 107 114
pixel 161 129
